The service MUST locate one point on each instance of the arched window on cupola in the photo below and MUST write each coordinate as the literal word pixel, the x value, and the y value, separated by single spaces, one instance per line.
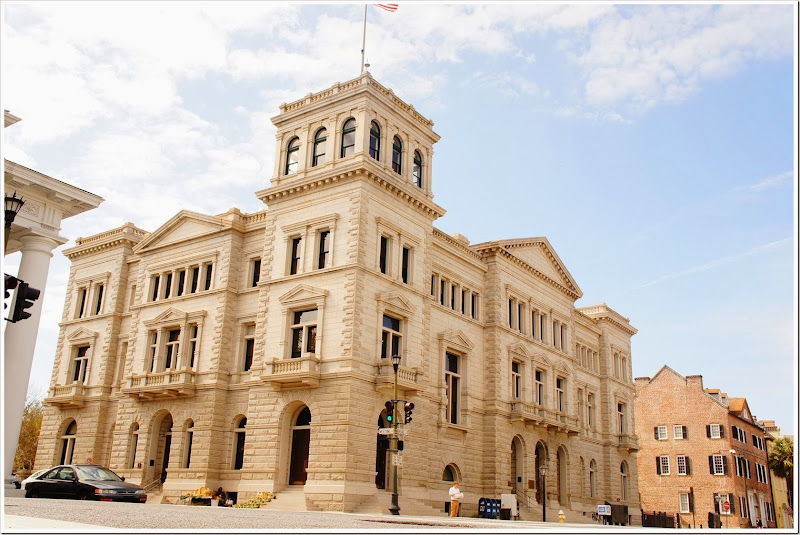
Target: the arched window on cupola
pixel 348 138
pixel 397 153
pixel 417 169
pixel 375 140
pixel 320 140
pixel 292 156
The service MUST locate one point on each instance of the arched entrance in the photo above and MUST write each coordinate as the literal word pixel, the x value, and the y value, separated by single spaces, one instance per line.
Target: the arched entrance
pixel 561 475
pixel 381 452
pixel 301 439
pixel 540 461
pixel 68 443
pixel 517 465
pixel 160 444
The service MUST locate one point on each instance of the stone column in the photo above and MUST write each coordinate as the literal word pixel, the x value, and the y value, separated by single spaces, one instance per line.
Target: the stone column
pixel 20 341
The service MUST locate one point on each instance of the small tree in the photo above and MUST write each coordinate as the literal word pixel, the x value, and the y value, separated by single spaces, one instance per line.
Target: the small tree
pixel 29 434
pixel 781 462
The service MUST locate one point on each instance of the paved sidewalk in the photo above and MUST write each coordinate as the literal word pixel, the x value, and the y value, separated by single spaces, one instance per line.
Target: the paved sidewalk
pixel 29 523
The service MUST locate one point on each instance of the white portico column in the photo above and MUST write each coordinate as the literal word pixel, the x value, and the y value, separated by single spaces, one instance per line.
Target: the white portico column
pixel 20 341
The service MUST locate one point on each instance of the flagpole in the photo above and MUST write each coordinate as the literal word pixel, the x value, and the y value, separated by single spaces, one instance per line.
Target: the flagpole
pixel 364 38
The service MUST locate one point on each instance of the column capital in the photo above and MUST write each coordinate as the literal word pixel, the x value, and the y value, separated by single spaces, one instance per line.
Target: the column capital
pixel 36 243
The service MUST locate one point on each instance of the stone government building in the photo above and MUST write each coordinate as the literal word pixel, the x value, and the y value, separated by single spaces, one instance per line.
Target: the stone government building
pixel 250 351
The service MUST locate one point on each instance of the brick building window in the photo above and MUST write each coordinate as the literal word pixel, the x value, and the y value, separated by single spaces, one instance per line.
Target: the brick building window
pixel 662 465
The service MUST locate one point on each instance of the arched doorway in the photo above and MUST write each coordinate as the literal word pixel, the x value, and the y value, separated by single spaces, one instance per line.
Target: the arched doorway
pixel 517 465
pixel 540 461
pixel 561 475
pixel 381 452
pixel 160 444
pixel 301 439
pixel 68 443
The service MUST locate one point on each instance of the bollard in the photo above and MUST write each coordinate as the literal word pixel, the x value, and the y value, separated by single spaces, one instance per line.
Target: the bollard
pixel 561 515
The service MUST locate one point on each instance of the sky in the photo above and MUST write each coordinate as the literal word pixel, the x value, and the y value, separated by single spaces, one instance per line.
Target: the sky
pixel 653 145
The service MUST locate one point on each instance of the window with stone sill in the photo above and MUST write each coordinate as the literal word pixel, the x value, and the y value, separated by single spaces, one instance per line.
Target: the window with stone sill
pixel 238 443
pixel 516 379
pixel 348 138
pixel 323 248
pixel 173 283
pixel 304 333
pixel 391 337
pixel 452 380
pixel 255 272
pixel 249 345
pixel 397 154
pixel 292 157
pixel 416 171
pixel 455 295
pixel 320 142
pixel 375 141
pixel 80 365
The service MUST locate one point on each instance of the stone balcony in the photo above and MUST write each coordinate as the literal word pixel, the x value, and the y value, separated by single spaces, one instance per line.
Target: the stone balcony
pixel 526 412
pixel 293 373
pixel 161 385
pixel 407 378
pixel 67 396
pixel 628 442
pixel 561 421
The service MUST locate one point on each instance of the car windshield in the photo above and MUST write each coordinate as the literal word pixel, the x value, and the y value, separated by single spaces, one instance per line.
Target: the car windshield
pixel 96 473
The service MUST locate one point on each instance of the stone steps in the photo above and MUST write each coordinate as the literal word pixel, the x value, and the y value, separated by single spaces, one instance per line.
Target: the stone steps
pixel 291 498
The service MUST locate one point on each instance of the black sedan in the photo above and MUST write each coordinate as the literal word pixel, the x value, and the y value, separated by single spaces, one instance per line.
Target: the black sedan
pixel 84 482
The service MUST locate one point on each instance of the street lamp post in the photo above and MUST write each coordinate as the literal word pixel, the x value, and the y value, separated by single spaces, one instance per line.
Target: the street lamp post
pixel 543 472
pixel 13 205
pixel 395 507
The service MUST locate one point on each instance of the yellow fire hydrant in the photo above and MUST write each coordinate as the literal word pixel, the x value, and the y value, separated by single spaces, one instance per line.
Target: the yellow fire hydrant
pixel 561 515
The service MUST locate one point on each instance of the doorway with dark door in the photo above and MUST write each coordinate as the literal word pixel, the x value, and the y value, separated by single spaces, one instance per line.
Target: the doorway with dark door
pixel 301 440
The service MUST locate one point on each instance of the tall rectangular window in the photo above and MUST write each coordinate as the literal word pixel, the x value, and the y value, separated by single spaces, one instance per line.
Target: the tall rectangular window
pixel 539 386
pixel 684 502
pixel 172 349
pixel 152 351
pixel 81 302
pixel 192 344
pixel 167 285
pixel 663 465
pixel 304 333
pixel 464 299
pixel 443 292
pixel 181 283
pixel 683 465
pixel 294 260
pixel 453 296
pixel 623 428
pixel 452 377
pixel 256 275
pixel 405 265
pixel 660 432
pixel 324 238
pixel 249 345
pixel 474 311
pixel 384 255
pixel 80 365
pixel 520 315
pixel 98 299
pixel 390 337
pixel 133 296
pixel 561 403
pixel 516 380
pixel 154 283
pixel 208 279
pixel 590 410
pixel 195 279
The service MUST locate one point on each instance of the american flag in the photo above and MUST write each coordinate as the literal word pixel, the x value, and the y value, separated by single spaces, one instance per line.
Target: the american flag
pixel 387 7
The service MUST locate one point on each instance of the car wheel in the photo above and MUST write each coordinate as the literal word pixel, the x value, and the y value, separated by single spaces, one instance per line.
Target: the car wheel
pixel 83 496
pixel 18 484
pixel 31 493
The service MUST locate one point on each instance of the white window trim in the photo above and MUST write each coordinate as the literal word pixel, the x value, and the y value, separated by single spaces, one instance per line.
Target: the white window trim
pixel 662 436
pixel 683 502
pixel 677 432
pixel 661 459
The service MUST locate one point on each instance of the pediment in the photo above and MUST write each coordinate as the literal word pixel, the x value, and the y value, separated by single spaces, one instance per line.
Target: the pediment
pixel 519 349
pixel 397 301
pixel 542 360
pixel 563 369
pixel 171 315
pixel 302 293
pixel 183 226
pixel 538 254
pixel 82 334
pixel 457 340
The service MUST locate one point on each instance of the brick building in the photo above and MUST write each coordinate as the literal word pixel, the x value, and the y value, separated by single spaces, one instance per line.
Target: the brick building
pixel 251 351
pixel 700 449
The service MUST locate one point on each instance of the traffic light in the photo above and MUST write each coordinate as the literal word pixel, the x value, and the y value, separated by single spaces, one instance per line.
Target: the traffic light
pixel 389 411
pixel 23 298
pixel 11 283
pixel 408 407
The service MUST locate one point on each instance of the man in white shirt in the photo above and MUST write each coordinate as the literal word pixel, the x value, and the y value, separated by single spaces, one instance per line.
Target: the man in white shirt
pixel 455 498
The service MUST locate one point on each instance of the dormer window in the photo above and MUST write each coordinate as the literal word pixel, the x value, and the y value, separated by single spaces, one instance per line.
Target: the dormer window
pixel 348 137
pixel 375 140
pixel 397 152
pixel 292 156
pixel 319 147
pixel 417 169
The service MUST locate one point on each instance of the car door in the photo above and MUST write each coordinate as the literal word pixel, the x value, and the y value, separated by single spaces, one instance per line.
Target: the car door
pixel 68 485
pixel 49 485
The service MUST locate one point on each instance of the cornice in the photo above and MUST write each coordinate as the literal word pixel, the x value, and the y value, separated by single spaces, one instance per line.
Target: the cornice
pixel 457 244
pixel 310 184
pixel 602 312
pixel 126 234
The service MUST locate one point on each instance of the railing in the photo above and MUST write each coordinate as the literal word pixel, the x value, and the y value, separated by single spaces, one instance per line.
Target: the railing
pixel 169 377
pixel 155 484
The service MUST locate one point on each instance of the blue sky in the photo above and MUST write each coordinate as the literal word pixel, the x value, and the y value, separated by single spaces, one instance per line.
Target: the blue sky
pixel 653 145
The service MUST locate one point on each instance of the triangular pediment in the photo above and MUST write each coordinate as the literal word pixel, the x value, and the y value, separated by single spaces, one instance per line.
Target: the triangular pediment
pixel 520 350
pixel 542 360
pixel 185 225
pixel 457 340
pixel 302 293
pixel 82 334
pixel 397 301
pixel 169 315
pixel 563 369
pixel 538 254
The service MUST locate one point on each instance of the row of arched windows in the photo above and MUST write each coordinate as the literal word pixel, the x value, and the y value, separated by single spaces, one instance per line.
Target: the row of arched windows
pixel 319 153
